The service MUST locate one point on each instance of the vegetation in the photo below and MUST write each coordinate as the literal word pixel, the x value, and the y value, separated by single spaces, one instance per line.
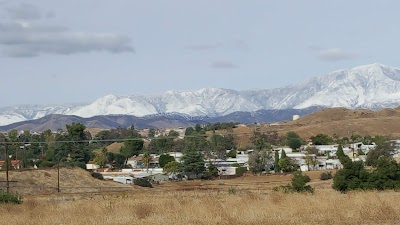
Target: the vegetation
pixel 286 164
pixel 142 182
pixel 165 159
pixel 321 139
pixel 326 176
pixel 97 175
pixel 240 170
pixel 298 184
pixel 354 176
pixel 10 198
pixel 211 207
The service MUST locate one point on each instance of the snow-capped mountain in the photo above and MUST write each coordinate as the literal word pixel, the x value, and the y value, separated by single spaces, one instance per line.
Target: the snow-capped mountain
pixel 369 86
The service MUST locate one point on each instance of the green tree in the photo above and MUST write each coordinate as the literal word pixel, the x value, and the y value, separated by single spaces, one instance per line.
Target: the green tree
pixel 339 153
pixel 198 128
pixel 283 154
pixel 321 139
pixel 294 143
pixel 259 159
pixel 131 148
pixel 76 132
pixel 173 133
pixel 152 133
pixel 101 157
pixel 299 182
pixel 276 159
pixel 383 149
pixel 189 131
pixel 146 160
pixel 193 162
pixel 218 146
pixel 165 159
pixel 173 167
pixel 292 135
pixel 119 160
pixel 231 154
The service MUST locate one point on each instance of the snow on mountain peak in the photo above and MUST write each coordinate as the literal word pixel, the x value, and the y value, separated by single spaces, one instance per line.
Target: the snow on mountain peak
pixel 368 86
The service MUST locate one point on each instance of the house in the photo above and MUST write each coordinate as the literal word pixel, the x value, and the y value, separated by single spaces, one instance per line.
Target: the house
pixel 160 177
pixel 137 161
pixel 177 155
pixel 226 170
pixel 16 164
pixel 92 166
pixel 123 179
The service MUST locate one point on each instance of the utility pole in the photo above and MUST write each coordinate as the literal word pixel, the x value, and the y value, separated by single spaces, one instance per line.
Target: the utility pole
pixel 58 176
pixel 7 166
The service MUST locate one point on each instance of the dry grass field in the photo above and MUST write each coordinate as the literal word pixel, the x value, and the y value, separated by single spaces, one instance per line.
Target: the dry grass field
pixel 209 207
pixel 208 202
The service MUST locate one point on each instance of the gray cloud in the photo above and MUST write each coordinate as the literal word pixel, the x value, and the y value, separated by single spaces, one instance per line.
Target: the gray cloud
pixel 223 65
pixel 22 39
pixel 334 54
pixel 24 11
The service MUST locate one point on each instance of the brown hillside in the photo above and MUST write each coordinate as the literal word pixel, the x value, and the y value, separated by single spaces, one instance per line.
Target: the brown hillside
pixel 72 180
pixel 335 121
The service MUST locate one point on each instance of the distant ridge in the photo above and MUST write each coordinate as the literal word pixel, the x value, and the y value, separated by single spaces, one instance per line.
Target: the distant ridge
pixel 55 121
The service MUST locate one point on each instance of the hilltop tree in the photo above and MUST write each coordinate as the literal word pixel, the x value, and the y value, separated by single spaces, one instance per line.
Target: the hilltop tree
pixel 321 139
pixel 131 148
pixel 294 143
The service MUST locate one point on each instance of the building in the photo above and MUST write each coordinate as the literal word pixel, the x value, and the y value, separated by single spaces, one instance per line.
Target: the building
pixel 92 166
pixel 16 164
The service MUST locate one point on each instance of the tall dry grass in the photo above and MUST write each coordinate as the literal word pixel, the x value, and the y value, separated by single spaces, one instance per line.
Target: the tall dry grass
pixel 209 207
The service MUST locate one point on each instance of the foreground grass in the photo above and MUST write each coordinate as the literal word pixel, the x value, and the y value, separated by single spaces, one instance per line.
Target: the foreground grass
pixel 208 207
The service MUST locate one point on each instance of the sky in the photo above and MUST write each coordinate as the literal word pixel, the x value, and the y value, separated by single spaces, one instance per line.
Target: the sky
pixel 58 52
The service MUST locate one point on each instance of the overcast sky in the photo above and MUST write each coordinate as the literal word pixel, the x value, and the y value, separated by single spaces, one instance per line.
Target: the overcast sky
pixel 77 51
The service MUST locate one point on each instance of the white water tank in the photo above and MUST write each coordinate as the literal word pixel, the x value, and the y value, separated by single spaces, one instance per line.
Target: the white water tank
pixel 296 117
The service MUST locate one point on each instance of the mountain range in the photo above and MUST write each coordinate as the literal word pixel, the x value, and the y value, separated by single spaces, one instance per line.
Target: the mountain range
pixel 172 120
pixel 371 86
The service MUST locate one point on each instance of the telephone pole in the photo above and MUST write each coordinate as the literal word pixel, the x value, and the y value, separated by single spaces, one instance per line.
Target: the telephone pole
pixel 7 166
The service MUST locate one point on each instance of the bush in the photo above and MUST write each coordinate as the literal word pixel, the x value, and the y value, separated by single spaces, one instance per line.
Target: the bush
pixel 298 184
pixel 78 164
pixel 10 198
pixel 326 176
pixel 239 170
pixel 231 154
pixel 232 191
pixel 46 164
pixel 97 175
pixel 142 182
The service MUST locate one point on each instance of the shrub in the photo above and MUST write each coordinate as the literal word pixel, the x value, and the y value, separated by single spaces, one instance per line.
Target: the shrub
pixel 142 182
pixel 298 184
pixel 239 170
pixel 326 176
pixel 46 164
pixel 97 175
pixel 232 191
pixel 10 198
pixel 78 164
pixel 232 154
